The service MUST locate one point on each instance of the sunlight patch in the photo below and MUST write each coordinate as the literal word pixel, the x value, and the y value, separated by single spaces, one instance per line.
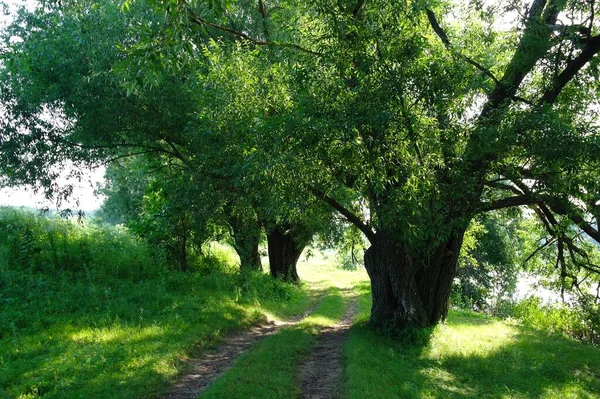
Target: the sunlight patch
pixel 446 382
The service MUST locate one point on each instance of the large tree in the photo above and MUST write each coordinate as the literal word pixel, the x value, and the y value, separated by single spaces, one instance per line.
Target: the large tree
pixel 411 118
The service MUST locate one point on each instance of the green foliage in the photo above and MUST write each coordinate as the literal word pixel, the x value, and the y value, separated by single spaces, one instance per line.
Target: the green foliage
pixel 580 320
pixel 351 250
pixel 488 264
pixel 162 208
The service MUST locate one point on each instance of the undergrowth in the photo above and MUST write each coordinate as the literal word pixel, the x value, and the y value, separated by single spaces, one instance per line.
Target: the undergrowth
pixel 580 320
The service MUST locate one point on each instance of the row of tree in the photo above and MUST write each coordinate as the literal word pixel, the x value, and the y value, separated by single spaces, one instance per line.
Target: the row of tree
pixel 406 119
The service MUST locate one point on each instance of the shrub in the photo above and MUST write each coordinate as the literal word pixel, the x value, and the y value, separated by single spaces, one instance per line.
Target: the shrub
pixel 579 320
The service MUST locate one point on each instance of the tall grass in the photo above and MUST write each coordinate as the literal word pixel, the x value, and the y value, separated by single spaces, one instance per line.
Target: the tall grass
pixel 580 320
pixel 90 311
pixel 31 242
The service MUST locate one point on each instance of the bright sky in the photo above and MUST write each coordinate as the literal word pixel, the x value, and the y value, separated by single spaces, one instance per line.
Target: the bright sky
pixel 83 194
pixel 25 196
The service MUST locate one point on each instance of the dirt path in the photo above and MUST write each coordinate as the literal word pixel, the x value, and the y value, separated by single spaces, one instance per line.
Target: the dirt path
pixel 320 375
pixel 213 363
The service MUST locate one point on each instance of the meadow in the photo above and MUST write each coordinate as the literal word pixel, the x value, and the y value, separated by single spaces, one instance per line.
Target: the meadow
pixel 89 311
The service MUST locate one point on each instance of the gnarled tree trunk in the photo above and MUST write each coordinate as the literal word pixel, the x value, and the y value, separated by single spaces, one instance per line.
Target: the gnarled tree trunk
pixel 411 288
pixel 285 246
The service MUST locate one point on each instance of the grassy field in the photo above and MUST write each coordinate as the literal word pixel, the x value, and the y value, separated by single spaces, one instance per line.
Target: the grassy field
pixel 113 322
pixel 90 314
pixel 123 340
pixel 470 356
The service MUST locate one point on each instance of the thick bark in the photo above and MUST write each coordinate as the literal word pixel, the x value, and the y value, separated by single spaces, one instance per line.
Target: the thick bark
pixel 285 247
pixel 246 239
pixel 411 288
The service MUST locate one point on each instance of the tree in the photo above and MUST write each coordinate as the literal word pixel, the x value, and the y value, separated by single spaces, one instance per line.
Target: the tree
pixel 488 265
pixel 176 115
pixel 410 125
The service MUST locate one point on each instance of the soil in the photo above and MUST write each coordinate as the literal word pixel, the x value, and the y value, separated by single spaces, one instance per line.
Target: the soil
pixel 320 375
pixel 210 365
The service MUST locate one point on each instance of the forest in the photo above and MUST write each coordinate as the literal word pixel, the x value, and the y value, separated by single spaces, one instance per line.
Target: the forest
pixel 326 199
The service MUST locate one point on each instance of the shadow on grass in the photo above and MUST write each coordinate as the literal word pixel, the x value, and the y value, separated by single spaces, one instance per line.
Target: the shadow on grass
pixel 117 361
pixel 123 340
pixel 471 357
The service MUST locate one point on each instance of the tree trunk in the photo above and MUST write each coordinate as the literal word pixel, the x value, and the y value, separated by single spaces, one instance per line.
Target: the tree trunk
pixel 247 250
pixel 410 288
pixel 246 239
pixel 285 248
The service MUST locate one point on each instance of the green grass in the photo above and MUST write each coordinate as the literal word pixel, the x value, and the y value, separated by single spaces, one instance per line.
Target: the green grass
pixel 124 340
pixel 269 369
pixel 70 330
pixel 470 356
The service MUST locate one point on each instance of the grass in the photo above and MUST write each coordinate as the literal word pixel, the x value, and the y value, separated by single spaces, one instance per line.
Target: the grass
pixel 470 356
pixel 69 330
pixel 126 340
pixel 269 369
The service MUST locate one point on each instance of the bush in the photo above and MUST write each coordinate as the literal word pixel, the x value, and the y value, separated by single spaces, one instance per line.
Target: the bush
pixel 580 320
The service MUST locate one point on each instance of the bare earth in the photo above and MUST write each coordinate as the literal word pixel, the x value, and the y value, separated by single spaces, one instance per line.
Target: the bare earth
pixel 212 364
pixel 320 375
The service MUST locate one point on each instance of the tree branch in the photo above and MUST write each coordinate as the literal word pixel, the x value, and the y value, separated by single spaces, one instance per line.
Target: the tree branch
pixel 351 217
pixel 517 200
pixel 502 186
pixel 357 7
pixel 533 45
pixel 202 22
pixel 592 47
pixel 444 38
pixel 538 249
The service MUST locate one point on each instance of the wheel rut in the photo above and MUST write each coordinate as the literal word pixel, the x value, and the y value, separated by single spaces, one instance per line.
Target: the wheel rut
pixel 210 365
pixel 320 375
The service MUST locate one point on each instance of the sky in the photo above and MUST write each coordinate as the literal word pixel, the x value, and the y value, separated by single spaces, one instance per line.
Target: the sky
pixel 83 193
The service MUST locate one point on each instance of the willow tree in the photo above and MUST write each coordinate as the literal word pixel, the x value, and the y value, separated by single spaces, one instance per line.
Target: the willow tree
pixel 82 83
pixel 411 118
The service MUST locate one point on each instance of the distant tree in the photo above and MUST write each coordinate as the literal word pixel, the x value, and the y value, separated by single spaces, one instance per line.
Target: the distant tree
pixel 489 264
